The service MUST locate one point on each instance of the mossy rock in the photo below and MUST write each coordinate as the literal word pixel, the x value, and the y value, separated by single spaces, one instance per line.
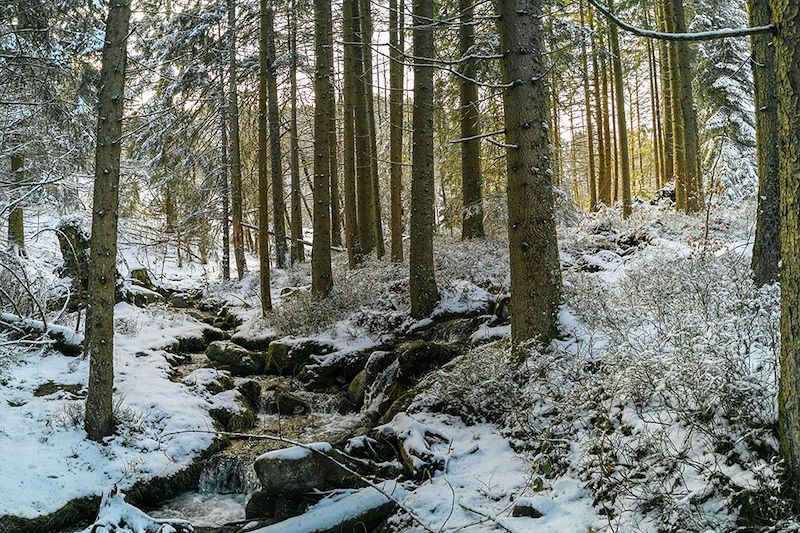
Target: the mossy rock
pixel 289 356
pixel 280 400
pixel 357 388
pixel 141 277
pixel 417 358
pixel 232 412
pixel 233 357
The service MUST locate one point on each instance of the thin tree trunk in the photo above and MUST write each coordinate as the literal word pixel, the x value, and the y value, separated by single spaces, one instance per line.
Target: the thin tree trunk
pixel 321 274
pixel 364 188
pixel 223 177
pixel 396 105
pixel 606 192
pixel 422 280
pixel 297 248
pixel 263 178
pixel 622 128
pixel 276 168
pixel 602 176
pixel 369 94
pixel 354 252
pixel 766 248
pixel 16 218
pixel 471 181
pixel 587 99
pixel 99 416
pixel 336 204
pixel 533 246
pixel 235 153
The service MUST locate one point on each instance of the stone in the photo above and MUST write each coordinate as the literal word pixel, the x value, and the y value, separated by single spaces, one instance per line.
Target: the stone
pixel 282 401
pixel 251 390
pixel 417 358
pixel 209 380
pixel 233 357
pixel 301 469
pixel 140 296
pixel 259 340
pixel 74 241
pixel 230 409
pixel 289 356
pixel 524 507
pixel 357 388
pixel 141 277
pixel 180 300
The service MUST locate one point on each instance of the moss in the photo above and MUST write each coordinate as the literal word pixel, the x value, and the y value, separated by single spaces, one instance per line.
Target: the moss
pixel 51 388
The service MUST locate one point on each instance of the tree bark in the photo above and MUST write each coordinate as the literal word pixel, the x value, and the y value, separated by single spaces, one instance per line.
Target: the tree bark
pixel 533 246
pixel 787 68
pixel 587 99
pixel 622 128
pixel 366 41
pixel 422 279
pixel 16 218
pixel 223 178
pixel 99 418
pixel 471 181
pixel 276 168
pixel 336 203
pixel 766 248
pixel 321 275
pixel 364 187
pixel 297 249
pixel 396 105
pixel 235 152
pixel 263 178
pixel 351 229
pixel 602 177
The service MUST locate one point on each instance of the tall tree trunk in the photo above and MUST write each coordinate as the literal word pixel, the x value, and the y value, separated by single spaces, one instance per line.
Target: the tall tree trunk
pixel 622 128
pixel 321 275
pixel 223 177
pixel 422 280
pixel 366 41
pixel 471 181
pixel 16 218
pixel 668 144
pixel 676 110
pixel 297 249
pixel 364 188
pixel 602 177
pixel 396 105
pixel 606 189
pixel 235 153
pixel 99 418
pixel 533 246
pixel 351 230
pixel 263 179
pixel 276 168
pixel 655 113
pixel 787 68
pixel 336 204
pixel 766 248
pixel 691 140
pixel 587 99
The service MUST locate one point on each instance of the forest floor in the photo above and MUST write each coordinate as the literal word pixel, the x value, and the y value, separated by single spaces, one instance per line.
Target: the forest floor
pixel 654 410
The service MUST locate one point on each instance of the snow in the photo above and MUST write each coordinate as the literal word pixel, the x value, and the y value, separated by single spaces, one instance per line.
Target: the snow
pixel 297 453
pixel 164 425
pixel 334 510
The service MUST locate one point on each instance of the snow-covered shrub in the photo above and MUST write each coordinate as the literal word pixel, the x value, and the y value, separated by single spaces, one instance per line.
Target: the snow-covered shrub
pixel 678 428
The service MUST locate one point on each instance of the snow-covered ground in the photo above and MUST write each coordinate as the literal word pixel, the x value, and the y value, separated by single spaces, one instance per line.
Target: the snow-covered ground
pixel 654 409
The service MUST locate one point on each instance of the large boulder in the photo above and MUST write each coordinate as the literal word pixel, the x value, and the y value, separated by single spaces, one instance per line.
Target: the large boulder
pixel 233 357
pixel 279 399
pixel 301 469
pixel 417 358
pixel 141 276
